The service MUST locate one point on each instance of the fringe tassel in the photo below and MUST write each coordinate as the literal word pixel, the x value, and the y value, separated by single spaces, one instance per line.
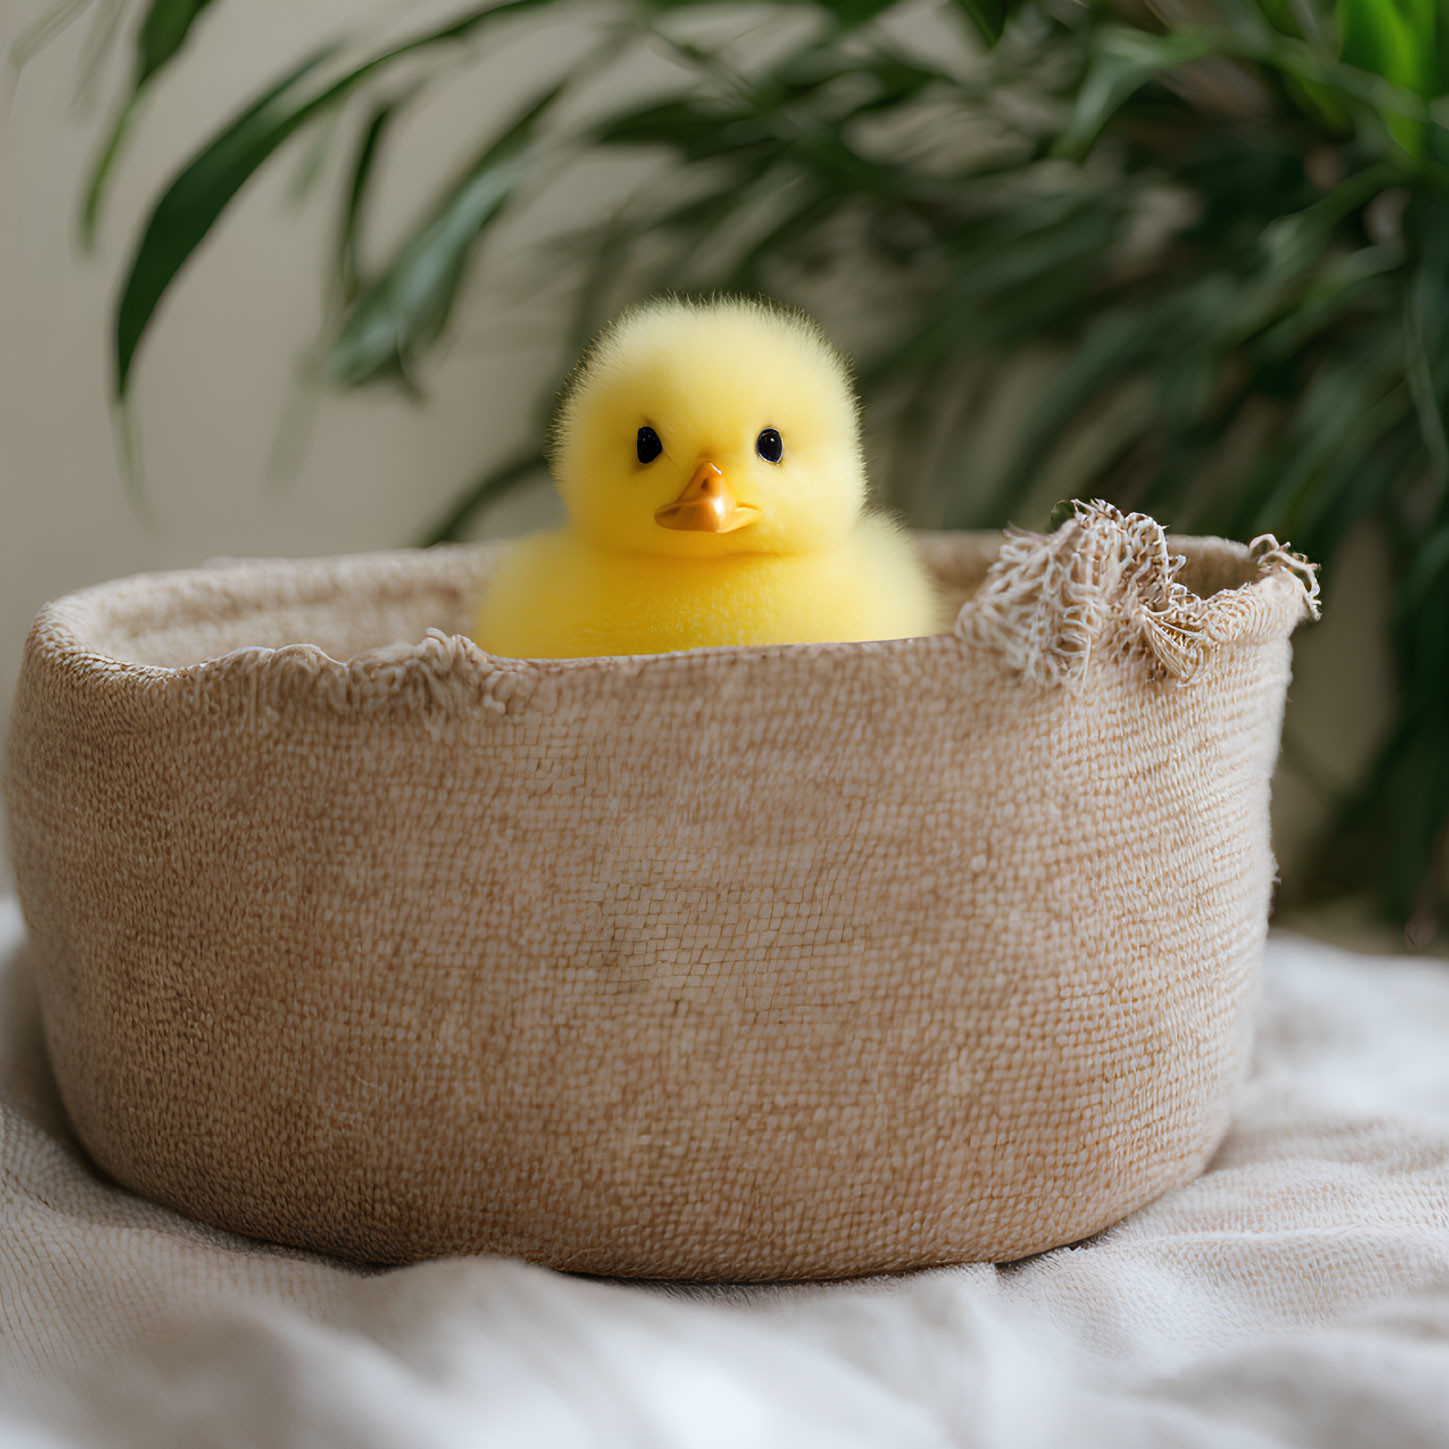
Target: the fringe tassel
pixel 1107 583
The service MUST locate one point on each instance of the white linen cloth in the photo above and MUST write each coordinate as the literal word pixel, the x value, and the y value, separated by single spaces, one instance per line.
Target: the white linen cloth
pixel 1297 1294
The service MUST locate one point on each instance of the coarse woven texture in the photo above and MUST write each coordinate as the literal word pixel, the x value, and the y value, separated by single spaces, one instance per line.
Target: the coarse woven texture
pixel 1297 1295
pixel 750 963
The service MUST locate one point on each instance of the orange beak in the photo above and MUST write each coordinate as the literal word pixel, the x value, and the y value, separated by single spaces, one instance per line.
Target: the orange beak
pixel 707 505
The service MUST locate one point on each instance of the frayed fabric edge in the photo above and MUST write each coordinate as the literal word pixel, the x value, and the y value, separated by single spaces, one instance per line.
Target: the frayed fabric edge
pixel 1106 585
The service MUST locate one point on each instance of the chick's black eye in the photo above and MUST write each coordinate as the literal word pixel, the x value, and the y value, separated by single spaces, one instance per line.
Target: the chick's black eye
pixel 770 446
pixel 648 445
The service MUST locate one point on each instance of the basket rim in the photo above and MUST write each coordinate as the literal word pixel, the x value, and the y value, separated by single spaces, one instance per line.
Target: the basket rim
pixel 64 630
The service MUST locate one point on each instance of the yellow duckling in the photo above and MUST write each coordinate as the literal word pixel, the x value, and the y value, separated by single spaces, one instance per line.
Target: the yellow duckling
pixel 708 454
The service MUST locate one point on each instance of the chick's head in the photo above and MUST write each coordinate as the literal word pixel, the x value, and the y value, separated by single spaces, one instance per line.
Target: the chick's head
pixel 700 429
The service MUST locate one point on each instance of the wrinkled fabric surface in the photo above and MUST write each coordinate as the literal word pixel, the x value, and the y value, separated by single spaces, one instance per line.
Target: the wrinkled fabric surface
pixel 1297 1294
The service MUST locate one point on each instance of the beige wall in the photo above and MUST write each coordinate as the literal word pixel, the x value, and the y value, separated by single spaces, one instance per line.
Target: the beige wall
pixel 213 378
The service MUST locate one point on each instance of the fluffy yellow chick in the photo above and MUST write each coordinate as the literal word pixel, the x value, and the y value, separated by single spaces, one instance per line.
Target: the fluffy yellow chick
pixel 709 457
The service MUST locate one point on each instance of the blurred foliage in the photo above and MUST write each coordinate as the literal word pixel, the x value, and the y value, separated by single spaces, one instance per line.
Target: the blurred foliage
pixel 1223 223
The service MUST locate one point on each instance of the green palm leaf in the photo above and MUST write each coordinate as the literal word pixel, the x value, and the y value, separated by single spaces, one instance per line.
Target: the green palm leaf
pixel 207 184
pixel 409 305
pixel 162 34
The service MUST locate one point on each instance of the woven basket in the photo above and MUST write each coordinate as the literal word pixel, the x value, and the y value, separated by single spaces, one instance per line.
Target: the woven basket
pixel 751 963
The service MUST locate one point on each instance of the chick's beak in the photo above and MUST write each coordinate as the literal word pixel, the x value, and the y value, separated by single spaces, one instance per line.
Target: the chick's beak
pixel 707 505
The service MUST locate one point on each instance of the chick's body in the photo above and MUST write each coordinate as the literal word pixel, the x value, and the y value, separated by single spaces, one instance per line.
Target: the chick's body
pixel 709 458
pixel 560 596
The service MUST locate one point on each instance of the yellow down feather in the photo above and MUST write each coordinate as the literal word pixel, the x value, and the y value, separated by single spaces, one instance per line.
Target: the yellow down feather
pixel 801 561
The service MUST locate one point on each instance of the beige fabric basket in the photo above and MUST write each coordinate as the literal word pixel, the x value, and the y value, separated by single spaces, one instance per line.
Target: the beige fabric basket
pixel 747 963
